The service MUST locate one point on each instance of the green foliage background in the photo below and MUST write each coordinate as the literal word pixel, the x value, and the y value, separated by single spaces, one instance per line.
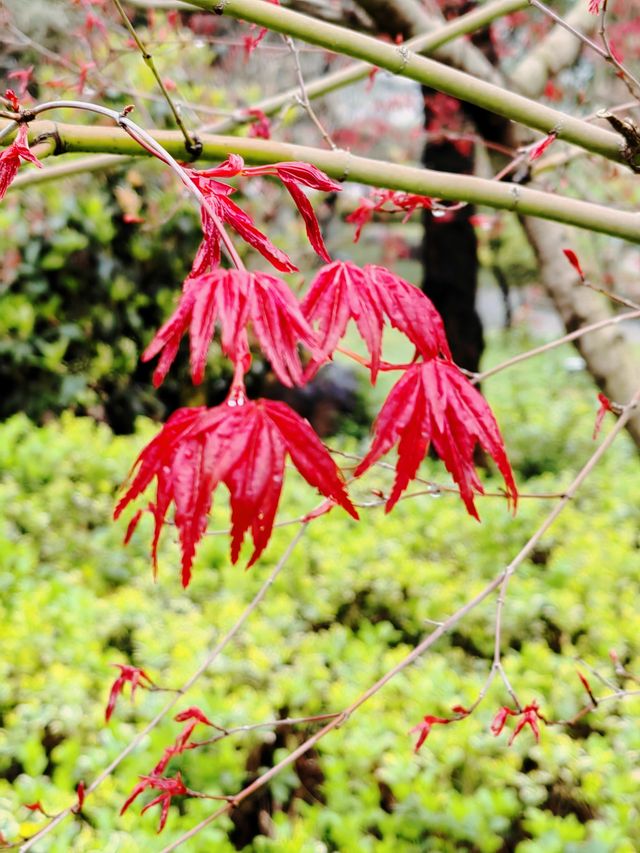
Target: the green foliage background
pixel 351 603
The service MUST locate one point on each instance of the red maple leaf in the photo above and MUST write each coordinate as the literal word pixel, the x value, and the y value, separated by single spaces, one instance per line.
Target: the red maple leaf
pixel 80 791
pixel 235 298
pixel 575 263
pixel 192 717
pixel 128 675
pixel 23 76
pixel 425 726
pixel 370 296
pixel 193 713
pixel 261 127
pixel 540 147
pixel 292 176
pixel 169 787
pixel 434 403
pixel 385 201
pixel 35 807
pixel 242 444
pixel 500 719
pixel 529 716
pixel 11 157
pixel 217 196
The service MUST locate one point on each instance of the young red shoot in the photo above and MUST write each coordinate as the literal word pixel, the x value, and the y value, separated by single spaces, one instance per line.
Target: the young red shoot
pixel 128 675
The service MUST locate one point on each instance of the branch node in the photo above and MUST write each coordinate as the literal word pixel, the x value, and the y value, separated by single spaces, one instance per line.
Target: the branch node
pixel 404 53
pixel 194 147
pixel 630 150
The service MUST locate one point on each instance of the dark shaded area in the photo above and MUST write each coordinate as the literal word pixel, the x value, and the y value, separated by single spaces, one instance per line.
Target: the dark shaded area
pixel 253 816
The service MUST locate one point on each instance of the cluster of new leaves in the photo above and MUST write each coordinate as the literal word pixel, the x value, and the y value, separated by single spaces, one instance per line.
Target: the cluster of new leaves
pixel 386 201
pixel 168 786
pixel 13 156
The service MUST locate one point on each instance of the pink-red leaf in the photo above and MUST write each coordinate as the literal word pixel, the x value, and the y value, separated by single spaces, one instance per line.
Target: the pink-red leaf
pixel 234 298
pixel 242 444
pixel 193 713
pixel 11 157
pixel 605 406
pixel 425 726
pixel 292 176
pixel 575 263
pixel 434 403
pixel 128 675
pixel 370 297
pixel 168 786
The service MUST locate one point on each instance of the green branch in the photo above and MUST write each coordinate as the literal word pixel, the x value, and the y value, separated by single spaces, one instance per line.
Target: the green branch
pixel 400 60
pixel 343 165
pixel 429 42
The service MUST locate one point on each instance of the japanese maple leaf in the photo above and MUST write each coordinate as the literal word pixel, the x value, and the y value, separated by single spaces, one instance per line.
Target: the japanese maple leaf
pixel 370 296
pixel 242 444
pixel 425 726
pixel 11 157
pixel 128 675
pixel 168 786
pixel 435 404
pixel 574 261
pixel 217 195
pixel 235 298
pixel 293 175
pixel 387 201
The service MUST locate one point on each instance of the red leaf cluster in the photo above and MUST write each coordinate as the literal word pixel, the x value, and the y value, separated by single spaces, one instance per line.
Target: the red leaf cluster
pixel 192 717
pixel 293 175
pixel 386 201
pixel 242 444
pixel 168 786
pixel 235 298
pixel 128 675
pixel 11 157
pixel 370 296
pixel 434 403
pixel 529 716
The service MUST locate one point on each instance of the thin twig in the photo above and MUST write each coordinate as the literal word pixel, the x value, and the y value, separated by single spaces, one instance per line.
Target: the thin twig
pixel 572 336
pixel 191 142
pixel 631 82
pixel 303 97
